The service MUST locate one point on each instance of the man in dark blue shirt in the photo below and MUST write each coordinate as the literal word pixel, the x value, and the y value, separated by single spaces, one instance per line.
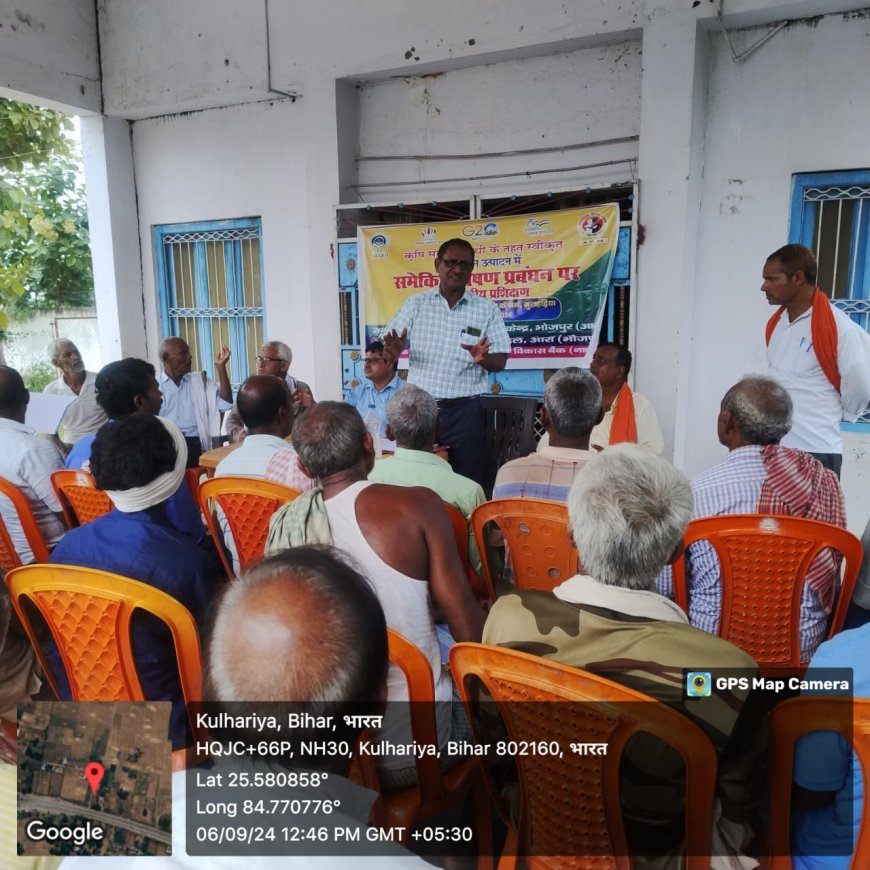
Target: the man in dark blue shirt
pixel 140 462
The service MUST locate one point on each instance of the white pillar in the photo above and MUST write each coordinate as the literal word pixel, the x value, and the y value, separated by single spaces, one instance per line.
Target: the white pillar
pixel 673 94
pixel 114 230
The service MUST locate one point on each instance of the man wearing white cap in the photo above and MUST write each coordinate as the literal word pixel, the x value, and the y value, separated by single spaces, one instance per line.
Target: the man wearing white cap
pixel 140 462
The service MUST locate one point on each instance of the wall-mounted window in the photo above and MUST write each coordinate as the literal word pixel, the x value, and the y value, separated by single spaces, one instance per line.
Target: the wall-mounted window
pixel 830 214
pixel 210 285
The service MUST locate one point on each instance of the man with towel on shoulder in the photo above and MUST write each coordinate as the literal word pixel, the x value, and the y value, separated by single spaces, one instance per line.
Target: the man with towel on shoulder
pixel 139 461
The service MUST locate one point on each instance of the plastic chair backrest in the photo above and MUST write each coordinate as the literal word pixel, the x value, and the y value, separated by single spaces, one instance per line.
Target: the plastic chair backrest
pixel 509 432
pixel 570 805
pixel 763 562
pixel 789 721
pixel 460 533
pixel 536 534
pixel 193 477
pixel 79 497
pixel 409 658
pixel 88 613
pixel 248 504
pixel 9 557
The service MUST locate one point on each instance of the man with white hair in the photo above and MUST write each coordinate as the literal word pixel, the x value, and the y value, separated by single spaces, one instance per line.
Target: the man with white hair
pixel 572 408
pixel 274 358
pixel 139 461
pixel 629 509
pixel 84 414
pixel 760 476
pixel 412 420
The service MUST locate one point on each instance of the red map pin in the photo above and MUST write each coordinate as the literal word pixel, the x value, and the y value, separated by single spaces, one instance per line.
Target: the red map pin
pixel 94 773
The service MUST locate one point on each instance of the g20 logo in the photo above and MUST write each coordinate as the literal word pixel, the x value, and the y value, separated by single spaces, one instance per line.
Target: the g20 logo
pixel 478 231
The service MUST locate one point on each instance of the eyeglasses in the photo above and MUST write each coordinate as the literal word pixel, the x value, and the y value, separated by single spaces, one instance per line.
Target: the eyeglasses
pixel 373 359
pixel 268 359
pixel 458 264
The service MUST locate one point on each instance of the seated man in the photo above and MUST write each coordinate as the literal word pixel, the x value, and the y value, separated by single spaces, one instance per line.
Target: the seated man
pixel 628 416
pixel 572 407
pixel 410 571
pixel 26 462
pixel 123 388
pixel 265 406
pixel 826 825
pixel 193 401
pixel 310 608
pixel 412 418
pixel 83 415
pixel 140 462
pixel 274 359
pixel 629 509
pixel 760 476
pixel 382 383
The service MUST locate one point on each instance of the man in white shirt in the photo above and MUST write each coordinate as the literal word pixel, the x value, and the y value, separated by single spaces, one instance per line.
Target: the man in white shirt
pixel 84 415
pixel 194 402
pixel 817 353
pixel 265 408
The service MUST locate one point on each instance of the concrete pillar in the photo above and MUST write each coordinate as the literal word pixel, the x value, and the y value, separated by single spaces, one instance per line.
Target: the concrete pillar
pixel 114 230
pixel 673 94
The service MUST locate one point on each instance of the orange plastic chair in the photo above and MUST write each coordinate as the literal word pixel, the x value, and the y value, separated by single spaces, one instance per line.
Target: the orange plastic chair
pixel 88 613
pixel 763 562
pixel 536 535
pixel 193 477
pixel 435 791
pixel 79 497
pixel 460 532
pixel 791 720
pixel 248 504
pixel 9 557
pixel 569 805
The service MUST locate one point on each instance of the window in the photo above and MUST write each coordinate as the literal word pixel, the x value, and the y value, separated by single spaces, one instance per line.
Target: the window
pixel 831 216
pixel 210 285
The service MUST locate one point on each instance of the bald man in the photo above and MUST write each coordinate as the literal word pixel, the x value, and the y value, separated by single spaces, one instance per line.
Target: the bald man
pixel 194 402
pixel 302 626
pixel 266 409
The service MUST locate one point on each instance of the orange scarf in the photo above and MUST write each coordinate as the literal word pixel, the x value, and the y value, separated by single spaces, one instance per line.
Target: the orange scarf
pixel 823 334
pixel 624 425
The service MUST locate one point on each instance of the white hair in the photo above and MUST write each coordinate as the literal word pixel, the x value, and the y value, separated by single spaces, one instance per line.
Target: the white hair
pixel 413 416
pixel 572 398
pixel 281 349
pixel 629 509
pixel 53 349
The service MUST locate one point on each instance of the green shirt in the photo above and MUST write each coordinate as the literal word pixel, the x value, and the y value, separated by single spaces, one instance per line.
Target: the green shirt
pixel 421 468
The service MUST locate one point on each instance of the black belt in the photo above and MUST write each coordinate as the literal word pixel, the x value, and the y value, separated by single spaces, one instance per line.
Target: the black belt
pixel 456 403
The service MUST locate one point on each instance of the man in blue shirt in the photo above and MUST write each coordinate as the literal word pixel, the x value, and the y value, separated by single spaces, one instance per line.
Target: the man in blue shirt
pixel 140 462
pixel 123 388
pixel 382 383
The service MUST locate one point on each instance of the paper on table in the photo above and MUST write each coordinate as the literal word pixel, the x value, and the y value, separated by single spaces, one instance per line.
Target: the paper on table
pixel 45 411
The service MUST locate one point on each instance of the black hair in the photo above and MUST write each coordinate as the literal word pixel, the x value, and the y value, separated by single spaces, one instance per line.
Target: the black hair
pixel 455 243
pixel 132 452
pixel 118 383
pixel 260 399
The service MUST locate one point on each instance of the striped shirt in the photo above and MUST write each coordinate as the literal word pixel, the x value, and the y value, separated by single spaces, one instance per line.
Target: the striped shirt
pixel 733 487
pixel 439 364
pixel 546 474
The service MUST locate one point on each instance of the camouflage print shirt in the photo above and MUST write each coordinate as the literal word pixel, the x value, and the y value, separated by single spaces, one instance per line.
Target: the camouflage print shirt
pixel 642 640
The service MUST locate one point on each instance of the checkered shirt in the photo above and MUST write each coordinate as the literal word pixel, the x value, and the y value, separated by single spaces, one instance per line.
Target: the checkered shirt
pixel 438 363
pixel 733 487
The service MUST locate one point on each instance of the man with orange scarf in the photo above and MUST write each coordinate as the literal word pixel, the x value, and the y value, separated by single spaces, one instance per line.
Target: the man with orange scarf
pixel 760 476
pixel 817 353
pixel 628 417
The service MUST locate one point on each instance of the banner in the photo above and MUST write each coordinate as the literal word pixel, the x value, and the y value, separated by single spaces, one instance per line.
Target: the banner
pixel 548 273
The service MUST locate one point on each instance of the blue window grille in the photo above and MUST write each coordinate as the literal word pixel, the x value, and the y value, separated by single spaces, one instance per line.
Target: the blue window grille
pixel 210 286
pixel 830 214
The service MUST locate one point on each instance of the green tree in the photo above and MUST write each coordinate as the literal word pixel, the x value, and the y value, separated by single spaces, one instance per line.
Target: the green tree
pixel 45 259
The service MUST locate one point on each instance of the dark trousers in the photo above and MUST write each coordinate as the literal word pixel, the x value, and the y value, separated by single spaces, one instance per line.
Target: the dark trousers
pixel 194 451
pixel 462 423
pixel 834 461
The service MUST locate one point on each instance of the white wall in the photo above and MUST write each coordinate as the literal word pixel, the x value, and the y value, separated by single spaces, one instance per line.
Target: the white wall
pixel 799 104
pixel 26 340
pixel 237 162
pixel 49 53
pixel 538 113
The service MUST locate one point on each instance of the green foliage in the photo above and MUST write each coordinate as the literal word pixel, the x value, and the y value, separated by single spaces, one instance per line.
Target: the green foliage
pixel 36 379
pixel 45 259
